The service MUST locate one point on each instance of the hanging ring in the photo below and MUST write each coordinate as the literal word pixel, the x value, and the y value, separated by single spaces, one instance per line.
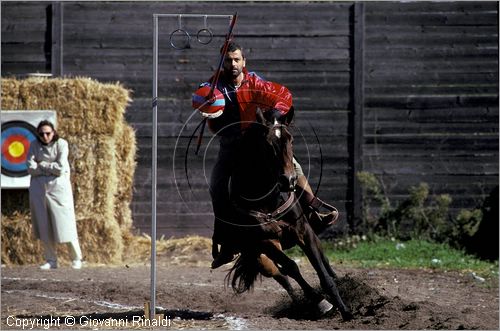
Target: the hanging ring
pixel 186 36
pixel 204 33
pixel 180 31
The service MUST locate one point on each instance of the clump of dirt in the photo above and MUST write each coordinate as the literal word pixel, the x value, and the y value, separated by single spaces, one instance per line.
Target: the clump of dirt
pixel 301 309
pixel 363 299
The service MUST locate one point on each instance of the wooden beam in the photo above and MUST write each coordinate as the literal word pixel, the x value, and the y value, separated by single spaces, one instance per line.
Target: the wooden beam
pixel 357 117
pixel 57 39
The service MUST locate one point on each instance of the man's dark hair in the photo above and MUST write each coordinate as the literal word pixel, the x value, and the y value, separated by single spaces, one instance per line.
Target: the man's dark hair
pixel 232 46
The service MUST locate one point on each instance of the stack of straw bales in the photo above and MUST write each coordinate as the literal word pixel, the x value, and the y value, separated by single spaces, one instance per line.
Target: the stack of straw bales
pixel 90 116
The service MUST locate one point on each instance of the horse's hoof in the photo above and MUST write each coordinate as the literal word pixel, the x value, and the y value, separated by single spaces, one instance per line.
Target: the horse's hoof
pixel 324 306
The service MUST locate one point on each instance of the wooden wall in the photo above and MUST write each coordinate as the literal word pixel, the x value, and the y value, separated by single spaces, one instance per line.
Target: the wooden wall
pixel 430 96
pixel 26 42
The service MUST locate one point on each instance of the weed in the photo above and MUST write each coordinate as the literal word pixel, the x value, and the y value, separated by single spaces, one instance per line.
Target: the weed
pixel 420 216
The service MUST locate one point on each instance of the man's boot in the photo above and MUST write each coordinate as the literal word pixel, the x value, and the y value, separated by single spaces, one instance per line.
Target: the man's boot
pixel 225 255
pixel 311 206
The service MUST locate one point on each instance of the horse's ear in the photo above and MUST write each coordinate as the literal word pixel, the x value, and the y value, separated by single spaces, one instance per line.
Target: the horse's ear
pixel 260 116
pixel 289 116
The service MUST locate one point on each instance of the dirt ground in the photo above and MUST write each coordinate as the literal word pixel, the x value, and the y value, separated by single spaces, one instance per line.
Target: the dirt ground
pixel 194 297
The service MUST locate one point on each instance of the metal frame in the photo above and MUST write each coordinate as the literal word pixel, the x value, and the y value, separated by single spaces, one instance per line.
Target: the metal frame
pixel 155 145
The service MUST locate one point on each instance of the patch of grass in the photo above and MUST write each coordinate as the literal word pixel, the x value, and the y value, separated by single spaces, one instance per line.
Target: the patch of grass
pixel 387 253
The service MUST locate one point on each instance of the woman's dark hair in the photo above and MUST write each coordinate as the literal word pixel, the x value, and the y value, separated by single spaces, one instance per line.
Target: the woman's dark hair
pixel 47 123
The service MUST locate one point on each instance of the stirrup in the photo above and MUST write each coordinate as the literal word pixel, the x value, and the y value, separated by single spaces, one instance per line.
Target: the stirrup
pixel 329 218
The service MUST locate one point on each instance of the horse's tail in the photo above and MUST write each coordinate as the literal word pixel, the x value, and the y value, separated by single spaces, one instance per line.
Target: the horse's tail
pixel 243 274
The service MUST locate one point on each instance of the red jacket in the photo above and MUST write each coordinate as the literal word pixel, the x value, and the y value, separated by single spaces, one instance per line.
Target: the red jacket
pixel 255 92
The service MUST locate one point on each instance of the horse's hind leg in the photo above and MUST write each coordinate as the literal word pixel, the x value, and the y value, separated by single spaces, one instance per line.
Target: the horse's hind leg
pixel 290 268
pixel 312 248
pixel 269 269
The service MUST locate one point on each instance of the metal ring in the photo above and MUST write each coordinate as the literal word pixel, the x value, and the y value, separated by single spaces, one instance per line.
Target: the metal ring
pixel 183 32
pixel 210 36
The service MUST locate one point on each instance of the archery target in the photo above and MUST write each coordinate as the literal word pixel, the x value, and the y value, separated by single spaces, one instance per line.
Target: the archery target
pixel 18 132
pixel 16 140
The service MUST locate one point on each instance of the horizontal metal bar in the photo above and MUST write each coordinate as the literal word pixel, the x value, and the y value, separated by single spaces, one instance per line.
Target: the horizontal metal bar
pixel 193 15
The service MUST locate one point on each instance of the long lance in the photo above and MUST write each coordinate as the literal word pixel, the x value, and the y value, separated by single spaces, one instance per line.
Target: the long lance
pixel 210 97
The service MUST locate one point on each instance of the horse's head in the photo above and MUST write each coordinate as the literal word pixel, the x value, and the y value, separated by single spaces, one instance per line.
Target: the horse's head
pixel 280 139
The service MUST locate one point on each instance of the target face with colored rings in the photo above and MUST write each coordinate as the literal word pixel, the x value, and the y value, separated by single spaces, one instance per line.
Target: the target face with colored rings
pixel 16 140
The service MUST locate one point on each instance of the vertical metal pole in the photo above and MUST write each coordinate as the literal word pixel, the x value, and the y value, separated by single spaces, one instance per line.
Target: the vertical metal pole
pixel 154 167
pixel 152 310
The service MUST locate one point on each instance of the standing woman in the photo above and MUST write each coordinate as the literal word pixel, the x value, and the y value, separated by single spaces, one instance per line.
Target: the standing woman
pixel 51 197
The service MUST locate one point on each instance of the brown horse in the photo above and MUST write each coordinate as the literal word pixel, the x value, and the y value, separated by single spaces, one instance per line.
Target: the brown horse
pixel 268 218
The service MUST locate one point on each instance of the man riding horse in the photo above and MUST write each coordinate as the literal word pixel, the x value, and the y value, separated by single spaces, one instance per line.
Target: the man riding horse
pixel 244 92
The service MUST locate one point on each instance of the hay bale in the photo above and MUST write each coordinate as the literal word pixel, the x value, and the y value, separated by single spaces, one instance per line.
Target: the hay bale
pixel 90 115
pixel 94 175
pixel 20 247
pixel 11 99
pixel 101 240
pixel 125 152
pixel 82 104
pixel 18 244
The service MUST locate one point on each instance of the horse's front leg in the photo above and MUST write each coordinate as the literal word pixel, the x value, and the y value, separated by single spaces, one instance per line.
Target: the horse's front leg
pixel 312 248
